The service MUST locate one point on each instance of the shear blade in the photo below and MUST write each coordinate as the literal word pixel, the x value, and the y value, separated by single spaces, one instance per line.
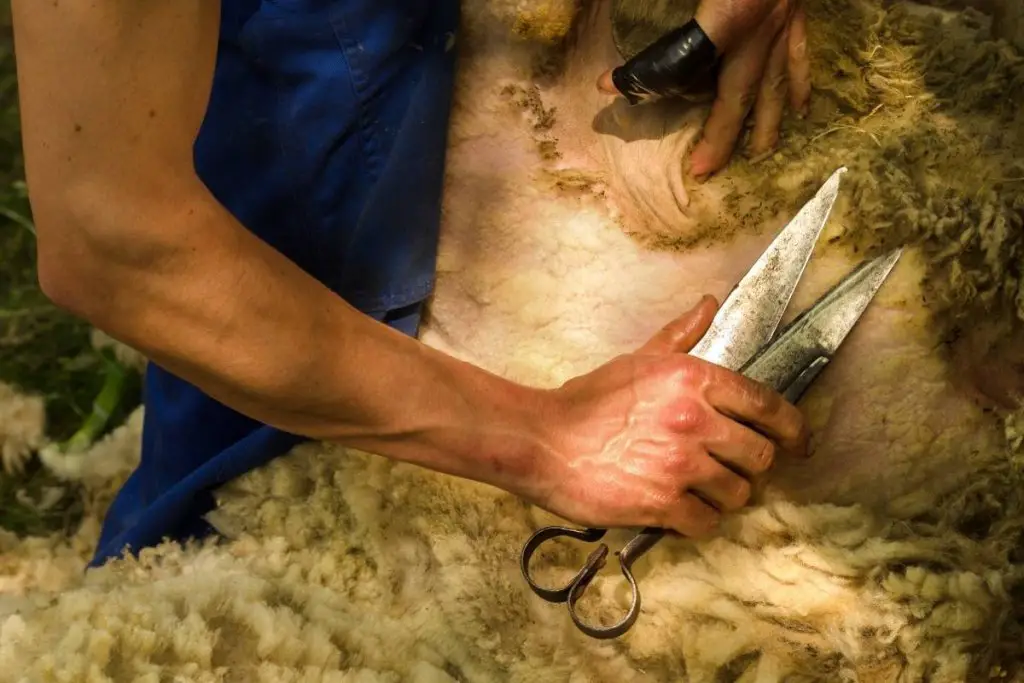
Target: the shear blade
pixel 750 315
pixel 819 331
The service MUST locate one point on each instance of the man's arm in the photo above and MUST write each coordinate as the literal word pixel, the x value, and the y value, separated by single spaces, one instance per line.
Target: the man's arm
pixel 112 96
pixel 113 93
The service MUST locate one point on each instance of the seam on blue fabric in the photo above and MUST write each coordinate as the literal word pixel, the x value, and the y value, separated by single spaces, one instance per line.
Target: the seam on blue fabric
pixel 248 37
pixel 379 303
pixel 420 284
pixel 339 25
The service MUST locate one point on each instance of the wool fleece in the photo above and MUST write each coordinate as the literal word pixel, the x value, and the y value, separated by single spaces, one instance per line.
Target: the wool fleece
pixel 22 427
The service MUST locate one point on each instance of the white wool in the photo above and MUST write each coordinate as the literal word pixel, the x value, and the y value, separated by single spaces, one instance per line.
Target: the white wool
pixel 125 354
pixel 22 427
pixel 381 558
pixel 111 457
pixel 32 569
pixel 48 497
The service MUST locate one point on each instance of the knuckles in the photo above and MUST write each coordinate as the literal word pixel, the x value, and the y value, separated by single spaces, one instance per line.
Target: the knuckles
pixel 687 370
pixel 662 507
pixel 761 399
pixel 742 494
pixel 765 459
pixel 686 467
pixel 742 99
pixel 777 85
pixel 780 14
pixel 689 416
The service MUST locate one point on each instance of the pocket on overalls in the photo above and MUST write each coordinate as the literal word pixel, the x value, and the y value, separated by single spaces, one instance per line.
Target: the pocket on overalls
pixel 312 107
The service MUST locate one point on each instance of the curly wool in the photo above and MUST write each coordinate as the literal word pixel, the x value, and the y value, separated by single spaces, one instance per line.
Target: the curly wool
pixel 33 569
pixel 542 21
pixel 22 427
pixel 381 558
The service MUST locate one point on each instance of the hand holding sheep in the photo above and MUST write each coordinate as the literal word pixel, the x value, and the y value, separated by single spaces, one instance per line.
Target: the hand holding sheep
pixel 763 50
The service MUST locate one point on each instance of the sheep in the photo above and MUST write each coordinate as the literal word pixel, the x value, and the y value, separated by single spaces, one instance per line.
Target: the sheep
pixel 338 565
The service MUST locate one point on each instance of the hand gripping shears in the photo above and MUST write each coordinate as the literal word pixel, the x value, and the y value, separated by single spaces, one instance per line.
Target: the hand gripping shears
pixel 740 338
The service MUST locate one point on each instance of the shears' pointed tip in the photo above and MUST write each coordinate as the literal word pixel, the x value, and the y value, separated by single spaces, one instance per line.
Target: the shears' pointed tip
pixel 818 332
pixel 750 315
pixel 836 173
pixel 829 191
pixel 885 263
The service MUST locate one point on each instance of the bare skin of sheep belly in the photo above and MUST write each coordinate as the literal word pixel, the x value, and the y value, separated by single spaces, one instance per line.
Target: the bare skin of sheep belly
pixel 572 232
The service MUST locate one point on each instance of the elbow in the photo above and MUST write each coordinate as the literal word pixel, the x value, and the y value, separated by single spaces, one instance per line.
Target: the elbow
pixel 102 235
pixel 102 244
pixel 62 281
pixel 107 246
pixel 72 259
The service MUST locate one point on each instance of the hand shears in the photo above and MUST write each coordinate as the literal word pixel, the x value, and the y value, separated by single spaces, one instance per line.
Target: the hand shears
pixel 741 338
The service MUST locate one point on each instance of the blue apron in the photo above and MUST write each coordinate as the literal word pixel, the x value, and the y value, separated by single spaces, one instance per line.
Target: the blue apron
pixel 325 136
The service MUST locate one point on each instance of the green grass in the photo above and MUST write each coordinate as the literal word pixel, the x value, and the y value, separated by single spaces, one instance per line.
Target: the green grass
pixel 42 349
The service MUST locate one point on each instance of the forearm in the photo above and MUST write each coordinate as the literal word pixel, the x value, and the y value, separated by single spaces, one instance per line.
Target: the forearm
pixel 204 298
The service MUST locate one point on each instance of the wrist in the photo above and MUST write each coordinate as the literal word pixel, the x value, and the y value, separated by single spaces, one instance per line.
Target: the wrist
pixel 518 435
pixel 479 426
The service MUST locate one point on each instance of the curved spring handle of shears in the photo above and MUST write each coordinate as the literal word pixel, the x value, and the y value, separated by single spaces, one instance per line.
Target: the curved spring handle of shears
pixel 572 591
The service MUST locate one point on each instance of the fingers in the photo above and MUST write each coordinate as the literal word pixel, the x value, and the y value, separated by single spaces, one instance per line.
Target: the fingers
pixel 711 488
pixel 740 447
pixel 757 405
pixel 763 44
pixel 680 335
pixel 720 486
pixel 692 517
pixel 771 98
pixel 799 63
pixel 737 91
pixel 735 454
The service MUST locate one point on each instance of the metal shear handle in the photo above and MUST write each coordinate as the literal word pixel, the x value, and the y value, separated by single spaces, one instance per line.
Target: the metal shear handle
pixel 572 591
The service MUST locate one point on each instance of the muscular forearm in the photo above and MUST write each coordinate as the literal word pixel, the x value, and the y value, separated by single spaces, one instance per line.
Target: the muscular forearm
pixel 204 298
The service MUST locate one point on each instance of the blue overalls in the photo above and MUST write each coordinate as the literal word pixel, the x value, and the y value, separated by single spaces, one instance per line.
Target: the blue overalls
pixel 325 136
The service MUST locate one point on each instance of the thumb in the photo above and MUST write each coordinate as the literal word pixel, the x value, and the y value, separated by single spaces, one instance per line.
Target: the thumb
pixel 680 335
pixel 724 22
